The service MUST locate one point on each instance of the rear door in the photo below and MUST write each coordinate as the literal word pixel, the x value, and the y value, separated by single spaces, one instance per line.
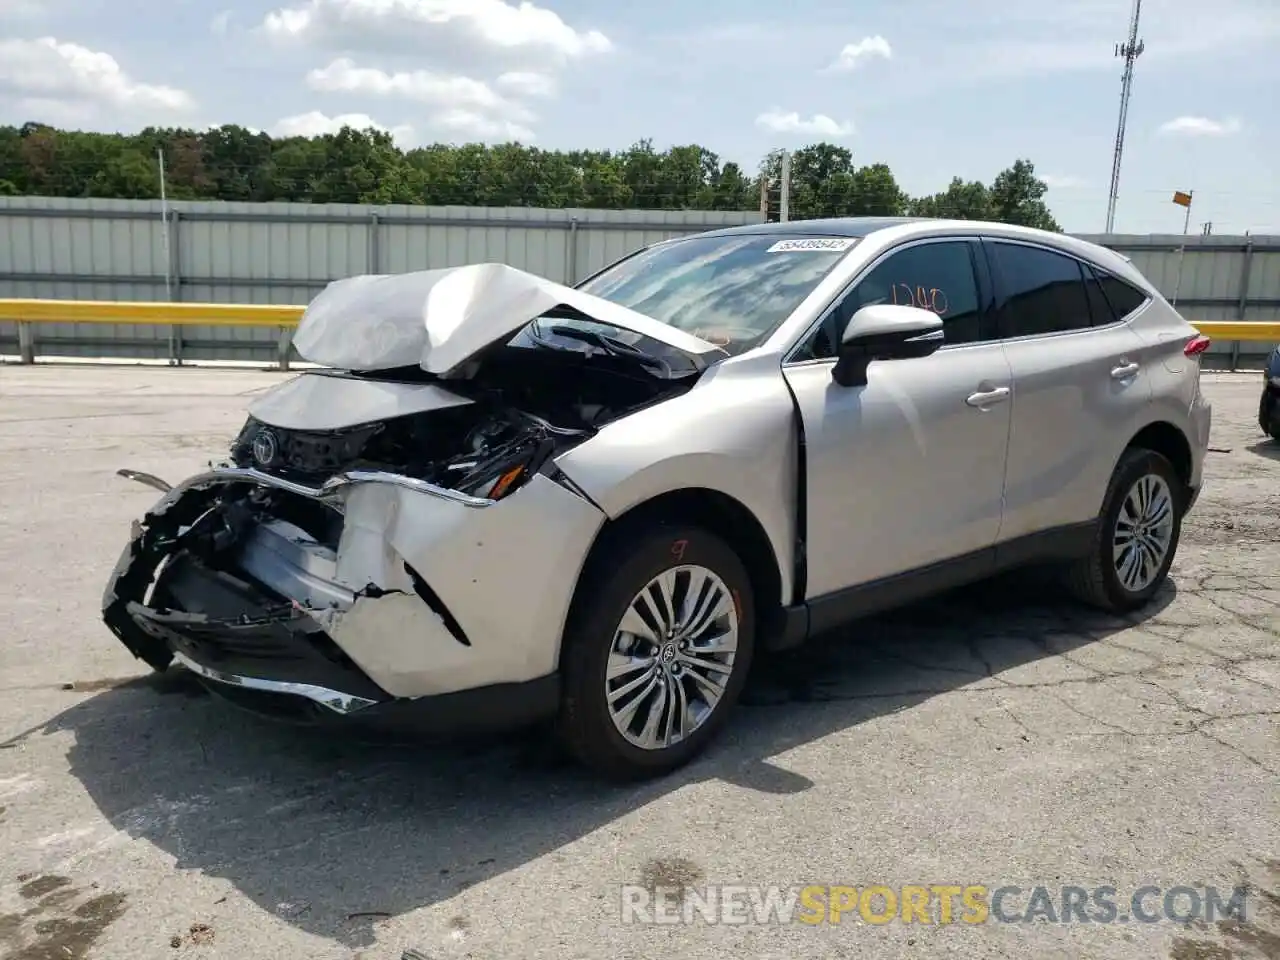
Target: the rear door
pixel 1080 386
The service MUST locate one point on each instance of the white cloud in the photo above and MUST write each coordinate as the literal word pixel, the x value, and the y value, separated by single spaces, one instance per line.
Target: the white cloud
pixel 1056 182
pixel 214 125
pixel 521 83
pixel 477 125
pixel 343 76
pixel 461 103
pixel 522 44
pixel 78 81
pixel 221 23
pixel 315 123
pixel 440 27
pixel 1200 127
pixel 21 9
pixel 852 53
pixel 819 124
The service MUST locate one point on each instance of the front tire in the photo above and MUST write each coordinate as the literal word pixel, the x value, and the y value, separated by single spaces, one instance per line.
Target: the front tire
pixel 1137 536
pixel 656 650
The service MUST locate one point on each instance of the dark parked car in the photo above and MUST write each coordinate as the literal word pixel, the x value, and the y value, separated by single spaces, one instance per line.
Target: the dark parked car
pixel 1269 406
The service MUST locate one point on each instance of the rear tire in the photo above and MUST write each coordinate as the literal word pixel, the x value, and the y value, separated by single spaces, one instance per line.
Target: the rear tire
pixel 624 663
pixel 1137 535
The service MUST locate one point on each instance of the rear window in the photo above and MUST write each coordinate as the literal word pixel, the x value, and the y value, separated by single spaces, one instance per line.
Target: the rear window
pixel 732 291
pixel 1099 307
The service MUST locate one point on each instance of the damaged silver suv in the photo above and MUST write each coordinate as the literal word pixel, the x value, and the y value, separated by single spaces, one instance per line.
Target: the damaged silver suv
pixel 502 500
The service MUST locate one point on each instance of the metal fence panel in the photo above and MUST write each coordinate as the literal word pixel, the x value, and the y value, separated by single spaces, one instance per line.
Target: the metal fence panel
pixel 67 248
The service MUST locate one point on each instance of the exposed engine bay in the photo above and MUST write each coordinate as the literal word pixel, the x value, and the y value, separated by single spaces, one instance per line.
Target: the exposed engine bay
pixel 522 407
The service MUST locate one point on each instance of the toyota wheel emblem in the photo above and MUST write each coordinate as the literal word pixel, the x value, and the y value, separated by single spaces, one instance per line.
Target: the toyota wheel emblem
pixel 265 448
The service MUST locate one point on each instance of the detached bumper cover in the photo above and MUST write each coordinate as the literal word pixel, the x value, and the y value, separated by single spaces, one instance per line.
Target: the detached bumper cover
pixel 427 608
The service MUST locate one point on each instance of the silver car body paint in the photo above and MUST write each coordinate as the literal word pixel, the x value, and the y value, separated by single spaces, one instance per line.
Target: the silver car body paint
pixel 733 434
pixel 318 402
pixel 440 319
pixel 1039 462
pixel 533 543
pixel 900 474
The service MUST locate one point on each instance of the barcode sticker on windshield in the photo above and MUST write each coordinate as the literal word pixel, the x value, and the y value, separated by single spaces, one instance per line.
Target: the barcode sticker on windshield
pixel 813 245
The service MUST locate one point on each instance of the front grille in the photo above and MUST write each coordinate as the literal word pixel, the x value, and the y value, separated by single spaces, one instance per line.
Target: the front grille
pixel 225 642
pixel 235 626
pixel 301 454
pixel 416 444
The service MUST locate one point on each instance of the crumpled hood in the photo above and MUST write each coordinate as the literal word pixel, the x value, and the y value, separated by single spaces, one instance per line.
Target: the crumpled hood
pixel 322 400
pixel 440 319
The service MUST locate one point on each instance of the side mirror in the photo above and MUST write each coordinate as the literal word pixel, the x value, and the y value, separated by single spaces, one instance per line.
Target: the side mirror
pixel 885 331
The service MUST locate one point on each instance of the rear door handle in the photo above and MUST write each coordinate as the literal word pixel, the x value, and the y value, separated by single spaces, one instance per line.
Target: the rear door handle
pixel 985 398
pixel 1124 371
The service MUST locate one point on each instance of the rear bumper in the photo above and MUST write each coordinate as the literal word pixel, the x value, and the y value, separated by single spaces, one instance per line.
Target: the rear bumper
pixel 415 609
pixel 1201 417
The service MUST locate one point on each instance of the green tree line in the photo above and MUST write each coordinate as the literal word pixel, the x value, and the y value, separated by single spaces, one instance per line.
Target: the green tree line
pixel 366 166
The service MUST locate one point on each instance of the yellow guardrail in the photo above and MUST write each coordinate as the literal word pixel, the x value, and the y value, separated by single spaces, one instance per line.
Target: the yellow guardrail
pixel 285 317
pixel 1250 331
pixel 152 313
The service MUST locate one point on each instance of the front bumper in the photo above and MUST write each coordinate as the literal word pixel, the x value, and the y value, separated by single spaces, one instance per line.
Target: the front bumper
pixel 483 709
pixel 419 607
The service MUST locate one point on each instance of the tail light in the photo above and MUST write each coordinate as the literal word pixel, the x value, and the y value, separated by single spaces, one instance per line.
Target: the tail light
pixel 1196 345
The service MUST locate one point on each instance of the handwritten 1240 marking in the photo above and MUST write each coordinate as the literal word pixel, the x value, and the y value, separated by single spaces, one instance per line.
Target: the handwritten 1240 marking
pixel 933 298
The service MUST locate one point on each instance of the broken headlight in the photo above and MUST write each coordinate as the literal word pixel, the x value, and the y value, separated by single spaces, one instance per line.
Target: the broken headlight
pixel 500 469
pixel 305 455
pixel 502 456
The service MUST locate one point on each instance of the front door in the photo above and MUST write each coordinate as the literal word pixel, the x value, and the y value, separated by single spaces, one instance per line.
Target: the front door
pixel 907 471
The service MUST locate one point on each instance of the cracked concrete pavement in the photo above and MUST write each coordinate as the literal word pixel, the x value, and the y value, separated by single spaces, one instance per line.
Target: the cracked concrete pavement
pixel 996 736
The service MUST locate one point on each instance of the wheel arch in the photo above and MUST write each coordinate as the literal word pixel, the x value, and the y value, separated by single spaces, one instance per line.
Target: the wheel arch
pixel 1170 442
pixel 715 511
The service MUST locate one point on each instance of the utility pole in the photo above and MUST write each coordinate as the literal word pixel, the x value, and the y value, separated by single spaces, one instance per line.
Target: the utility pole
pixel 784 206
pixel 1130 50
pixel 174 359
pixel 1183 200
pixel 164 226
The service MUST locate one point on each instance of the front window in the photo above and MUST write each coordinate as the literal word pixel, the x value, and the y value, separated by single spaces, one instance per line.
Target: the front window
pixel 936 276
pixel 732 291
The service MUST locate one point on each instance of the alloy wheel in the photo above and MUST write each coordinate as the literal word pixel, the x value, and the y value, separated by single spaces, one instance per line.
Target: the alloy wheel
pixel 1143 532
pixel 672 656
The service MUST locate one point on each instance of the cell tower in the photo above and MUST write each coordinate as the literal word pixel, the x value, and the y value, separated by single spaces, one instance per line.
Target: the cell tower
pixel 1130 50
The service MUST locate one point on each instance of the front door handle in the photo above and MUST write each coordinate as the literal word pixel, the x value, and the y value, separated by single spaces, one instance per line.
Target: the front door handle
pixel 1124 371
pixel 985 398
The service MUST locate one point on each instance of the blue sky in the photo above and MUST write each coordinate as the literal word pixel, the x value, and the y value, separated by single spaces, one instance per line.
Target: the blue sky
pixel 934 88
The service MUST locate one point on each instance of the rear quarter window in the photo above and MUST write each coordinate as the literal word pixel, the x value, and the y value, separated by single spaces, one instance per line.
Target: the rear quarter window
pixel 1123 296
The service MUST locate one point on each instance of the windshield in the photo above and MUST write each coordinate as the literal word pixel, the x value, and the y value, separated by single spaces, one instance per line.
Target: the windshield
pixel 732 291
